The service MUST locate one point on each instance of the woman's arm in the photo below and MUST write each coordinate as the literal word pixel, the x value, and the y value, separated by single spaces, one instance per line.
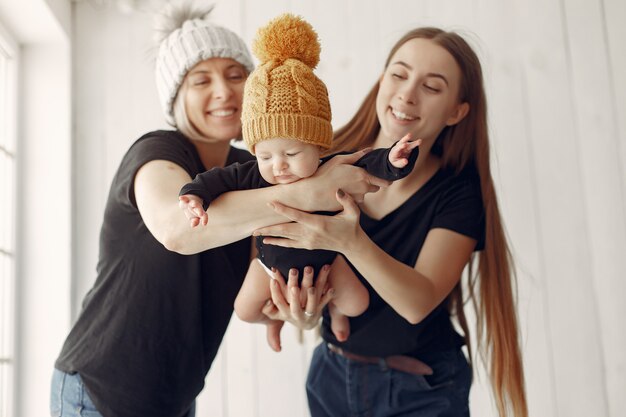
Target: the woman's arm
pixel 157 185
pixel 413 292
pixel 235 215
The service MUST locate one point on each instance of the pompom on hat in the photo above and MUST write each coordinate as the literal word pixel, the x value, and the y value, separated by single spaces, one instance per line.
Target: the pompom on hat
pixel 283 98
pixel 187 38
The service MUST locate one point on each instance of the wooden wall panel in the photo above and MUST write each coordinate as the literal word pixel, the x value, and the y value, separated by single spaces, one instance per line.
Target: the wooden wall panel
pixel 329 22
pixel 614 15
pixel 515 181
pixel 240 374
pixel 603 184
pixel 89 144
pixel 573 332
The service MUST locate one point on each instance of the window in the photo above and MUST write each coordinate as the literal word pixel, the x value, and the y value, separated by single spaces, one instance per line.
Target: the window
pixel 8 104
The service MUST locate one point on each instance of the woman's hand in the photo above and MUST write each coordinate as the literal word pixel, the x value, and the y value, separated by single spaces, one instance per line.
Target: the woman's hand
pixel 339 233
pixel 301 306
pixel 339 173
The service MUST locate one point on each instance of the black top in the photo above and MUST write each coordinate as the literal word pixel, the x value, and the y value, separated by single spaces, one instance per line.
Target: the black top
pixel 446 201
pixel 152 323
pixel 211 184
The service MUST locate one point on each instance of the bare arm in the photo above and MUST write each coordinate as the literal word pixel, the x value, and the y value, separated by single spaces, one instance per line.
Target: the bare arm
pixel 157 185
pixel 235 215
pixel 413 292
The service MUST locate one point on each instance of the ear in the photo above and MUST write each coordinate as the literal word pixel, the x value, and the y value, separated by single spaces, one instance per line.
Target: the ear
pixel 459 113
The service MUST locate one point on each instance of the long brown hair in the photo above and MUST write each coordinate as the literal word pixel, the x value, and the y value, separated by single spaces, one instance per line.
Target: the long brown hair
pixel 492 289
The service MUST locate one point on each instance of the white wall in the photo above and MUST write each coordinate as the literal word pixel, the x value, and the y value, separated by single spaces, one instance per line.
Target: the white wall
pixel 44 229
pixel 556 80
pixel 44 194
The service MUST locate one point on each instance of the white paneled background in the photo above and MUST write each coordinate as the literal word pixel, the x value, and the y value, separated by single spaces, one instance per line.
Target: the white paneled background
pixel 556 83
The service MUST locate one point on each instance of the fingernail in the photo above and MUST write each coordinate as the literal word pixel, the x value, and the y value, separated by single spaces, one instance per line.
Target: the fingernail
pixel 268 302
pixel 293 271
pixel 271 205
pixel 326 267
pixel 340 193
pixel 331 292
pixel 308 269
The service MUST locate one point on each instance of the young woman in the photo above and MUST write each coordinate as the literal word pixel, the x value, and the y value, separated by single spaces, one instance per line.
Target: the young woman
pixel 409 244
pixel 152 323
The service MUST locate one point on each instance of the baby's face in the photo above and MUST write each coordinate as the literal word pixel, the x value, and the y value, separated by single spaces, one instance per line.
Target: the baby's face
pixel 282 161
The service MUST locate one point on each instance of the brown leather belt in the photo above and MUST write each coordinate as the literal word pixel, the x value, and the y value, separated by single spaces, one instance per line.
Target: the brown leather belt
pixel 398 362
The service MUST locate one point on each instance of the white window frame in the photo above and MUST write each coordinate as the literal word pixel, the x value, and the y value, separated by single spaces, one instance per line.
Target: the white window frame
pixel 8 220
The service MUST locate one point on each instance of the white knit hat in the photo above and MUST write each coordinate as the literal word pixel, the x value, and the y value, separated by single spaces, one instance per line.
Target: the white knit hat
pixel 196 40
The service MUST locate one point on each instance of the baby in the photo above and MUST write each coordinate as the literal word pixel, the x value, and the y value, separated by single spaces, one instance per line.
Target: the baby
pixel 286 124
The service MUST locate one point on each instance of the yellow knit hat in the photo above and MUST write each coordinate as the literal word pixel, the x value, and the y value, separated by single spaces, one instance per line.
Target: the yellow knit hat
pixel 282 96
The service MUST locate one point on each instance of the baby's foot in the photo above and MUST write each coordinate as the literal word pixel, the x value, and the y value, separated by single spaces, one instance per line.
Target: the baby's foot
pixel 273 334
pixel 339 323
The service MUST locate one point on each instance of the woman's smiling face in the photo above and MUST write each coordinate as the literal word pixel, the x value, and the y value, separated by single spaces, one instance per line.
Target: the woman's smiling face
pixel 419 93
pixel 214 93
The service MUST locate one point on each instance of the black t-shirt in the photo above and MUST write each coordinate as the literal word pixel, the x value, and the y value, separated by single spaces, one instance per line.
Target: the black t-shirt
pixel 446 201
pixel 211 184
pixel 152 323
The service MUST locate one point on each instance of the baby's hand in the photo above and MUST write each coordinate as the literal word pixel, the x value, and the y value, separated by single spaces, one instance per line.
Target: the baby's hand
pixel 399 154
pixel 192 207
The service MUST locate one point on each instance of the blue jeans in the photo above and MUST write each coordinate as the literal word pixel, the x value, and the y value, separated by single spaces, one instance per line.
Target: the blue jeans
pixel 337 386
pixel 68 397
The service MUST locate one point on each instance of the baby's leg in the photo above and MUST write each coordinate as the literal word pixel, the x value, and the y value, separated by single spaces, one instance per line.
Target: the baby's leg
pixel 351 297
pixel 339 323
pixel 254 292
